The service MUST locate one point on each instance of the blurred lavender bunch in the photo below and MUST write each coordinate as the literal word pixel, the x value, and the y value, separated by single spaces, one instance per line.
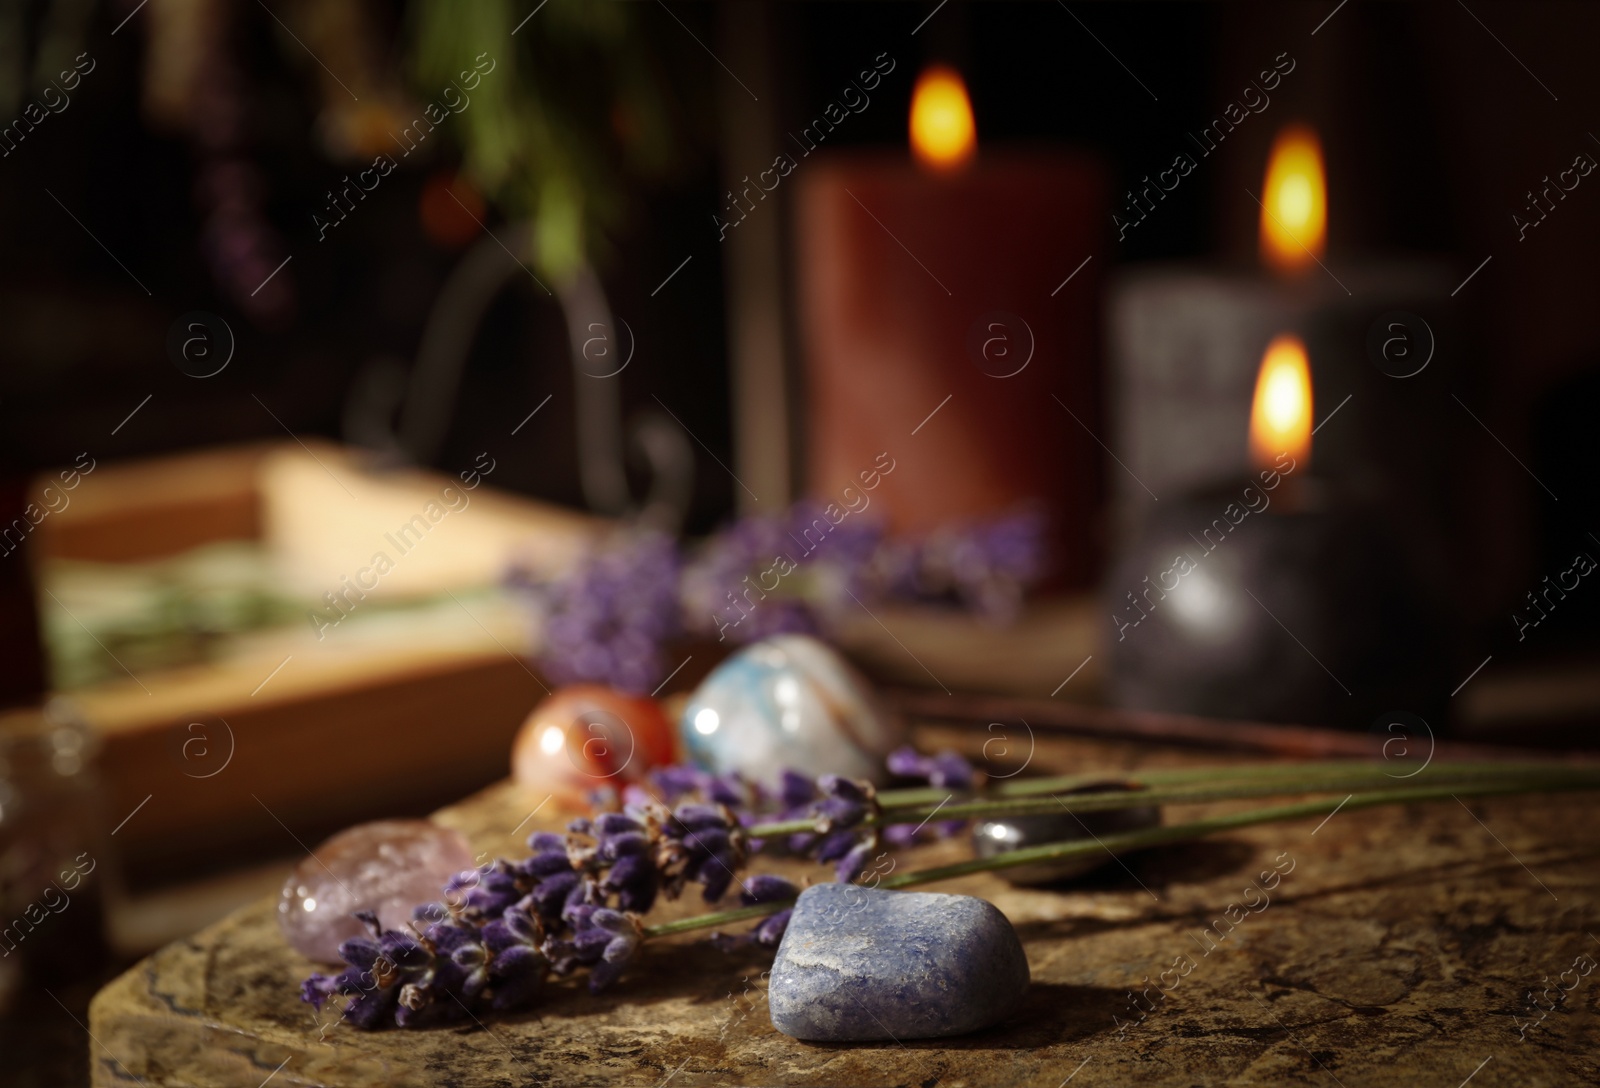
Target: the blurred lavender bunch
pixel 578 901
pixel 801 573
pixel 793 574
pixel 986 567
pixel 607 620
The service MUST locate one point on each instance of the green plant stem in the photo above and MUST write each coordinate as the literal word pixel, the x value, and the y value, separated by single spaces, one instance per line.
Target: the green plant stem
pixel 1389 770
pixel 1354 780
pixel 1158 836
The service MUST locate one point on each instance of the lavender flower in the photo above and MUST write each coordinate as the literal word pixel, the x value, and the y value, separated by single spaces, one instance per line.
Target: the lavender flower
pixel 798 573
pixel 843 805
pixel 792 574
pixel 383 968
pixel 762 888
pixel 576 901
pixel 518 969
pixel 552 881
pixel 845 802
pixel 986 567
pixel 676 781
pixel 603 940
pixel 672 784
pixel 606 620
pixel 625 847
pixel 460 960
pixel 942 770
pixel 704 844
pixel 795 790
pixel 486 892
pixel 849 853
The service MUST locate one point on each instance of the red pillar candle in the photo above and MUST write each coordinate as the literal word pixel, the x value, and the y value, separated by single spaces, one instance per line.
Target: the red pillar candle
pixel 939 303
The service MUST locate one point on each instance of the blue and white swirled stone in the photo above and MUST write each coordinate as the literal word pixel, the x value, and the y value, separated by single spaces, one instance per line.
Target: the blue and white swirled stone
pixel 788 702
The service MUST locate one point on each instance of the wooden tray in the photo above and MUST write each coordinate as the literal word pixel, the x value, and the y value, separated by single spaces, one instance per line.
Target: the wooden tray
pixel 1398 949
pixel 207 764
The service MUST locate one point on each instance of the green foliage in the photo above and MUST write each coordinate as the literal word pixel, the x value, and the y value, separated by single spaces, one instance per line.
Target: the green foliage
pixel 581 106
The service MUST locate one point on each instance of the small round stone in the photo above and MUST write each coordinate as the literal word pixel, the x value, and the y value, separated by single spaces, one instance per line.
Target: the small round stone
pixel 388 866
pixel 791 702
pixel 587 737
pixel 1000 835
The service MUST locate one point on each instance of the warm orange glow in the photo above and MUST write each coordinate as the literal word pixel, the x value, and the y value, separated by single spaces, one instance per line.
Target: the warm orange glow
pixel 1280 418
pixel 1294 202
pixel 943 133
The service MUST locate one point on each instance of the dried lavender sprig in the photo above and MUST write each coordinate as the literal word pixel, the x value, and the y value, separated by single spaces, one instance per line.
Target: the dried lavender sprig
pixel 1154 836
pixel 576 903
pixel 405 977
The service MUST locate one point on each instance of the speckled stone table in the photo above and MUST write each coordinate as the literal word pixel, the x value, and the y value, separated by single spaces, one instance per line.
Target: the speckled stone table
pixel 1395 947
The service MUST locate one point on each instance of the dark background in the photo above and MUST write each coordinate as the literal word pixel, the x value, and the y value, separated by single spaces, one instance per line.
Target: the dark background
pixel 1434 133
pixel 1434 123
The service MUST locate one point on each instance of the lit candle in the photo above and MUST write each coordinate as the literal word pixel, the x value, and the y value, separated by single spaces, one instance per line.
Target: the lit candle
pixel 924 285
pixel 944 136
pixel 1270 597
pixel 1185 341
pixel 1280 414
pixel 1294 203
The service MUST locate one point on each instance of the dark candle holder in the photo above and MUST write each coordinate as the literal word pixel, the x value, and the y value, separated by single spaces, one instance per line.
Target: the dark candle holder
pixel 1281 603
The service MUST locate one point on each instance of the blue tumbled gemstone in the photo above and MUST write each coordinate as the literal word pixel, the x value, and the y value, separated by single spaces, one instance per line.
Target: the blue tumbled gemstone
pixel 860 963
pixel 789 702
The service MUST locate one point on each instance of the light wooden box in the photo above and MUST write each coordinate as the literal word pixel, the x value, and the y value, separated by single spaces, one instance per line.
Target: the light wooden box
pixel 287 736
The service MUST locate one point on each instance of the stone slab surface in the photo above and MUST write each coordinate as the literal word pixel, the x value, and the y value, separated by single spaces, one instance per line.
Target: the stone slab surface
pixel 1395 947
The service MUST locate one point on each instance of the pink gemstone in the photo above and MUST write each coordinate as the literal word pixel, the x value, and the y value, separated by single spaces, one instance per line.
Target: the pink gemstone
pixel 389 866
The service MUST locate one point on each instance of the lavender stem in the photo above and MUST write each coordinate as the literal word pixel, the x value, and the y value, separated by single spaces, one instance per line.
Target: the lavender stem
pixel 1312 780
pixel 1157 836
pixel 1032 787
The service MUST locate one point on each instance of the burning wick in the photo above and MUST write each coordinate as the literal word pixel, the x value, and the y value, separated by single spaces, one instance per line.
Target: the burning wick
pixel 1294 202
pixel 944 137
pixel 1280 417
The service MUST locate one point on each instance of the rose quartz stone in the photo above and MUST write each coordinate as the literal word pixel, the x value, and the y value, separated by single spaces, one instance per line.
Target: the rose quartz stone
pixel 390 866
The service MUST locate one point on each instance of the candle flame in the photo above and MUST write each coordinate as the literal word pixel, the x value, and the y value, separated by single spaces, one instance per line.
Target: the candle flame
pixel 1294 202
pixel 1280 418
pixel 944 136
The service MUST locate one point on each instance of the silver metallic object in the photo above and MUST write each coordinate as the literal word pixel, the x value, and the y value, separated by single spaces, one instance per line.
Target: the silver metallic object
pixel 1002 834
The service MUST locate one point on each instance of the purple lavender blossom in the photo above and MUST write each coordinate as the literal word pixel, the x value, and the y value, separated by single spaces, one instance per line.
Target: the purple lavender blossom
pixel 986 567
pixel 707 846
pixel 576 901
pixel 518 969
pixel 485 892
pixel 624 846
pixel 762 888
pixel 461 960
pixel 606 620
pixel 792 574
pixel 603 940
pixel 380 970
pixel 802 572
pixel 943 770
pixel 845 802
pixel 839 805
pixel 675 781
